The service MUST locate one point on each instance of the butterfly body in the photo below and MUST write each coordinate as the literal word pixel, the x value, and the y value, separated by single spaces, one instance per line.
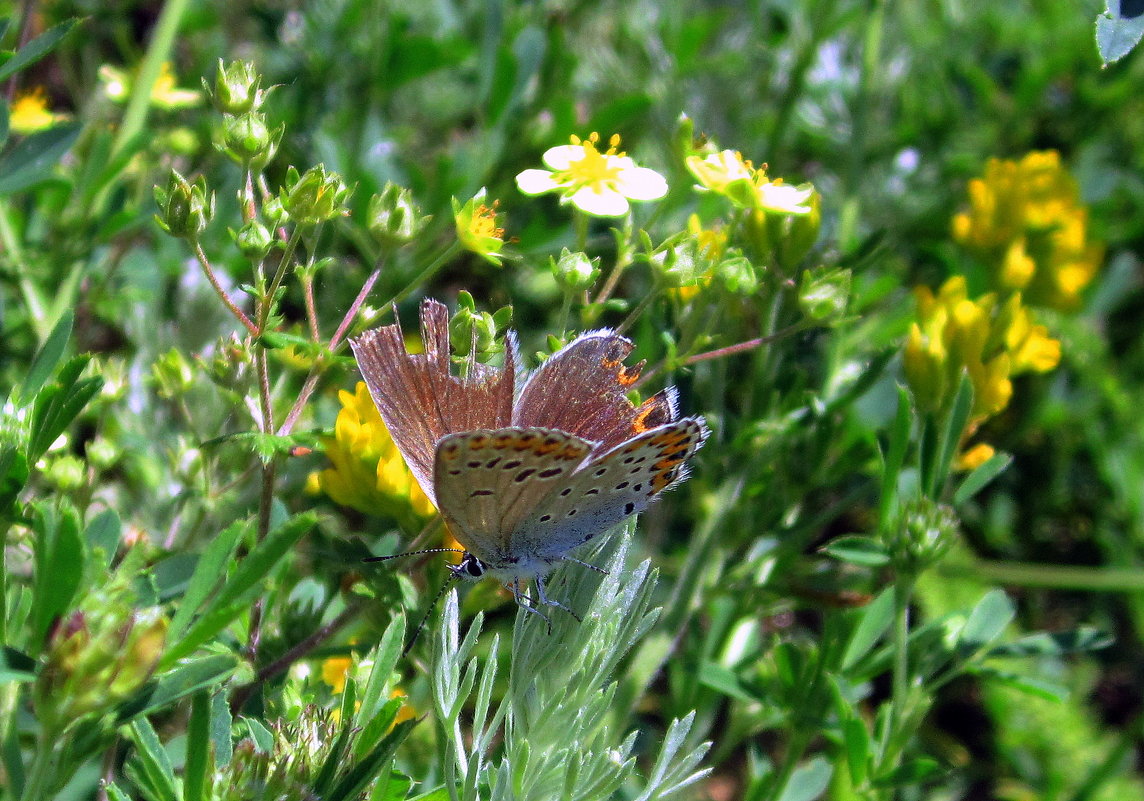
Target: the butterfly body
pixel 524 471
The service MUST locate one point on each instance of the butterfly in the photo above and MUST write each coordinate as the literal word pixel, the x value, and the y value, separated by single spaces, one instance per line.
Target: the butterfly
pixel 526 467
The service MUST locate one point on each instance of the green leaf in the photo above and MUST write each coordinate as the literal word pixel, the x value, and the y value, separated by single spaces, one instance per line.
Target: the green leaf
pixel 102 534
pixel 892 468
pixel 856 740
pixel 720 679
pixel 857 550
pixel 59 557
pixel 392 787
pixel 231 601
pixel 47 357
pixel 114 793
pixel 951 435
pixel 987 620
pixel 265 446
pixel 1038 688
pixel 356 779
pixel 876 619
pixel 37 48
pixel 58 404
pixel 385 657
pixel 220 728
pixel 176 685
pixel 1116 36
pixel 31 162
pixel 150 767
pixel 981 476
pixel 261 736
pixel 198 748
pixel 808 782
pixel 210 567
pixel 915 771
pixel 1085 639
pixel 13 476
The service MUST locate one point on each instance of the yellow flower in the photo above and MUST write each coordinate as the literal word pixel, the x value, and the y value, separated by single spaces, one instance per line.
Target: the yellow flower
pixel 600 184
pixel 30 113
pixel 117 84
pixel 728 173
pixel 334 672
pixel 973 458
pixel 477 228
pixel 368 473
pixel 1025 220
pixel 989 342
pixel 712 243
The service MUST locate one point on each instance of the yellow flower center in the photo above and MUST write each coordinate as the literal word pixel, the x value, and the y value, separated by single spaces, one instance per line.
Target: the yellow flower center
pixel 593 168
pixel 484 223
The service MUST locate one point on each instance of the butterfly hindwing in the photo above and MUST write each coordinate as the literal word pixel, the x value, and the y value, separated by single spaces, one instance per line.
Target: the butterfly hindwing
pixel 607 490
pixel 487 481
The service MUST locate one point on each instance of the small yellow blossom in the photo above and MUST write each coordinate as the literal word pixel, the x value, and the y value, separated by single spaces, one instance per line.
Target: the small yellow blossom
pixel 368 473
pixel 30 113
pixel 600 184
pixel 973 458
pixel 334 672
pixel 990 342
pixel 477 228
pixel 117 85
pixel 728 173
pixel 1025 220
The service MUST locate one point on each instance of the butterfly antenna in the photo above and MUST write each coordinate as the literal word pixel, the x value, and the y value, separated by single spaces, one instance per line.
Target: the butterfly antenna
pixel 412 553
pixel 585 564
pixel 417 632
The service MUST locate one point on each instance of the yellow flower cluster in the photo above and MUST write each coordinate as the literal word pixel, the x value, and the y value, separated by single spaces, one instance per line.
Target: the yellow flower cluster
pixel 990 340
pixel 1026 221
pixel 368 473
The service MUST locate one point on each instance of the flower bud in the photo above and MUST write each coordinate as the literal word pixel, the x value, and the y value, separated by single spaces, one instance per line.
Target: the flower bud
pixel 679 264
pixel 315 196
pixel 394 219
pixel 574 271
pixel 823 293
pixel 474 332
pixel 254 240
pixel 66 473
pixel 248 140
pixel 172 374
pixel 236 88
pixel 185 209
pixel 795 234
pixel 923 533
pixel 738 275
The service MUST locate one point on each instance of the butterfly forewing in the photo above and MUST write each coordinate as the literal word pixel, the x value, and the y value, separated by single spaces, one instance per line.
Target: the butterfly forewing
pixel 488 481
pixel 609 489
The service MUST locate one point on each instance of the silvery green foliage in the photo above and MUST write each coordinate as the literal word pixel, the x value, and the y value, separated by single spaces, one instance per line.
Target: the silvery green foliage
pixel 554 730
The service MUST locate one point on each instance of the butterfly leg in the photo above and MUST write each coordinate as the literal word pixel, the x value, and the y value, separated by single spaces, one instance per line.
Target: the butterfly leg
pixel 544 599
pixel 527 604
pixel 585 564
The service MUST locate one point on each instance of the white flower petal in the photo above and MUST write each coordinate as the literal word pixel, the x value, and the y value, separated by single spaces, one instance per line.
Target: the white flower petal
pixel 600 201
pixel 561 156
pixel 641 183
pixel 784 198
pixel 536 182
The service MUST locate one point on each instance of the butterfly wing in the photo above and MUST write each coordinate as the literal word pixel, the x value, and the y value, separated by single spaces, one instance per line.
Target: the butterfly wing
pixel 609 489
pixel 420 400
pixel 487 481
pixel 582 389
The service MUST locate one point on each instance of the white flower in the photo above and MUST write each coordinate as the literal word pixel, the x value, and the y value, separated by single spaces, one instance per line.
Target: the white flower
pixel 784 198
pixel 597 183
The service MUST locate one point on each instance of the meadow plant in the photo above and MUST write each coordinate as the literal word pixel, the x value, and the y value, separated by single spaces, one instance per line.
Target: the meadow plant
pixel 869 553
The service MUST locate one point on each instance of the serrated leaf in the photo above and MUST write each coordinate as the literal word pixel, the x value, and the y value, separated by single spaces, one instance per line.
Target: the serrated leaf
pixel 177 684
pixel 1116 36
pixel 910 773
pixel 59 559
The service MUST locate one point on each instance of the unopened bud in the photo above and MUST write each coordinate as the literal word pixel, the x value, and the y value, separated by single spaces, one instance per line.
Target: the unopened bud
pixel 575 271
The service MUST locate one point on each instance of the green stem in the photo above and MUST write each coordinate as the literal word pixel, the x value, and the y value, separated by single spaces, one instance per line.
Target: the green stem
pixel 43 764
pixel 900 676
pixel 565 308
pixel 266 305
pixel 1057 577
pixel 238 313
pixel 158 52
